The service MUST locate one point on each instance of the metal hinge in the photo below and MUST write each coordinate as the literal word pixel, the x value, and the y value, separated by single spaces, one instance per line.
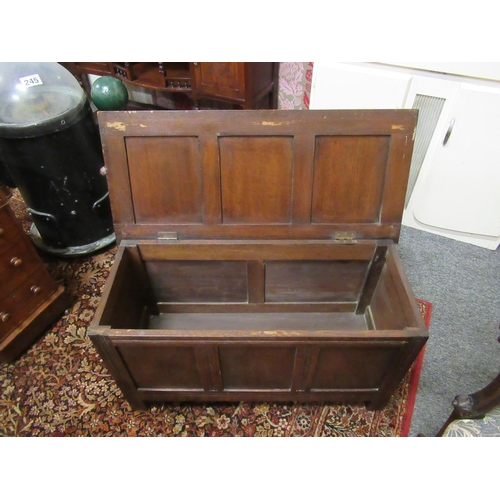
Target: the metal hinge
pixel 345 236
pixel 167 236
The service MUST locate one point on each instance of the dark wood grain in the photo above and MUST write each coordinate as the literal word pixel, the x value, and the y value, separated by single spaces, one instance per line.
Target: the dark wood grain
pixel 256 179
pixel 30 299
pixel 33 325
pixel 263 307
pixel 280 279
pixel 211 182
pixel 259 321
pixel 314 281
pixel 246 85
pixel 349 175
pixel 256 275
pixel 199 280
pixel 169 171
pixel 127 298
pixel 258 173
pixel 372 278
pixel 249 250
pixel 303 154
pixel 264 231
pixel 167 367
pixel 256 367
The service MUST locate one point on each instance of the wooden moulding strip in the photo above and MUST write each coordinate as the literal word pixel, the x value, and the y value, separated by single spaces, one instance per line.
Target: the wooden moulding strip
pixel 404 362
pixel 266 250
pixel 372 279
pixel 131 231
pixel 246 307
pixel 368 338
pixel 333 395
pixel 257 122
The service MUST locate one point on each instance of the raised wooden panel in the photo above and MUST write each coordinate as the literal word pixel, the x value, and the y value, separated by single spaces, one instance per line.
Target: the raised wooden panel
pixel 166 179
pixel 256 179
pixel 349 175
pixel 314 281
pixel 221 79
pixel 153 366
pixel 199 281
pixel 19 301
pixel 256 367
pixel 353 367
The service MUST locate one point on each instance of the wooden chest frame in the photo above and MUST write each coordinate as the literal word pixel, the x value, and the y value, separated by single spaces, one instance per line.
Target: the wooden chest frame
pixel 258 256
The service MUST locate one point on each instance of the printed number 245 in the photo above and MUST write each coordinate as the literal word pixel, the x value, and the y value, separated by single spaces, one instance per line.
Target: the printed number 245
pixel 31 80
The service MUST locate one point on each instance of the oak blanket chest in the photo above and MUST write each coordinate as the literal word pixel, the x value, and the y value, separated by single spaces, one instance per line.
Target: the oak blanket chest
pixel 258 256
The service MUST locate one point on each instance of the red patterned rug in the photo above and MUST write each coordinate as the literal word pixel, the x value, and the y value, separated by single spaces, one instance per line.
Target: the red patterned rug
pixel 60 387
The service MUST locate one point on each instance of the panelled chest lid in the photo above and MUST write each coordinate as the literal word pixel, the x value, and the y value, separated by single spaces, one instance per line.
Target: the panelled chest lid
pixel 266 174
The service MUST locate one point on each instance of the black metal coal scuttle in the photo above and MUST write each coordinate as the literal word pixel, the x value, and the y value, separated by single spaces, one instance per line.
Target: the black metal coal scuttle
pixel 51 151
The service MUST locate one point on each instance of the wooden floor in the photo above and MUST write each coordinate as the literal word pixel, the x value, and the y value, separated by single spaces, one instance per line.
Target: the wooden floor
pixel 258 321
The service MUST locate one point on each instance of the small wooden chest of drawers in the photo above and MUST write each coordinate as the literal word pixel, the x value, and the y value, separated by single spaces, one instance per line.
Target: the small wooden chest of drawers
pixel 29 297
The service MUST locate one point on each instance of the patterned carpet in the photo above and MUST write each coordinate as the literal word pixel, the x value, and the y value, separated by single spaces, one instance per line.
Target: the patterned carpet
pixel 60 387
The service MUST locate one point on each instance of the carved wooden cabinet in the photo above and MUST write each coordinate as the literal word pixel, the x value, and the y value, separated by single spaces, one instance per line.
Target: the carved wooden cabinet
pixel 258 257
pixel 243 85
pixel 248 84
pixel 29 297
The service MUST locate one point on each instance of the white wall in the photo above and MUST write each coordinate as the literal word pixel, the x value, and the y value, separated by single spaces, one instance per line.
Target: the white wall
pixel 487 70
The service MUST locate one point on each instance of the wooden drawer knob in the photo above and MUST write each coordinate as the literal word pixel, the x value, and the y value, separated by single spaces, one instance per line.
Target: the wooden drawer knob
pixel 4 317
pixel 35 290
pixel 15 262
pixel 2 231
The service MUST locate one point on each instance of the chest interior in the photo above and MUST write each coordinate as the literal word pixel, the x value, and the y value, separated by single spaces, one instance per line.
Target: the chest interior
pixel 247 286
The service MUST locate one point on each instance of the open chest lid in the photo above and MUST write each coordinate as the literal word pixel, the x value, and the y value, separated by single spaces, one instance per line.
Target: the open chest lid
pixel 257 174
